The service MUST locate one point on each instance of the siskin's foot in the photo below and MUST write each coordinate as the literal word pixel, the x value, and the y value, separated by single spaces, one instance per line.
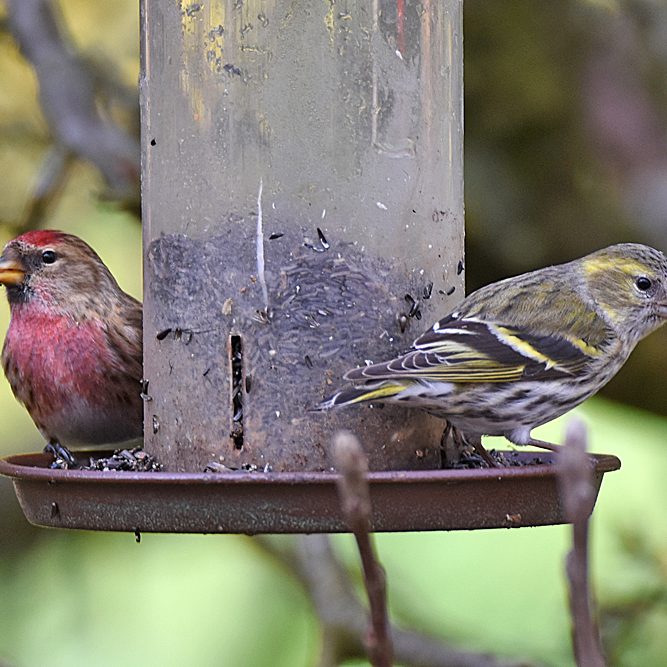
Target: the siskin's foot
pixel 543 444
pixel 476 444
pixel 464 444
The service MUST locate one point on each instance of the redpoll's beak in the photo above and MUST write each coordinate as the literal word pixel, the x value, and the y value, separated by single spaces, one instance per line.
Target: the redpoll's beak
pixel 11 272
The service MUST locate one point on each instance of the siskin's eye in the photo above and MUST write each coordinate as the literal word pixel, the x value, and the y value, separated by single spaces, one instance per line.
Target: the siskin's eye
pixel 49 256
pixel 643 283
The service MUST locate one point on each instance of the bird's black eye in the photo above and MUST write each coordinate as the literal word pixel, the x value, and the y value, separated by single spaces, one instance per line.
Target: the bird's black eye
pixel 48 256
pixel 643 283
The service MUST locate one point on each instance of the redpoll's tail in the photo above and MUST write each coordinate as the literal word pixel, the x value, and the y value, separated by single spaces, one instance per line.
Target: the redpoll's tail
pixel 359 394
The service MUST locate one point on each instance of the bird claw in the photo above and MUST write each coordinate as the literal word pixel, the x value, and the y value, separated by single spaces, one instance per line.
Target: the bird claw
pixel 466 450
pixel 484 455
pixel 62 457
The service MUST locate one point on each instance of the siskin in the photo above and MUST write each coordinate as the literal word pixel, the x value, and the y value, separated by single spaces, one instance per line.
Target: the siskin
pixel 522 351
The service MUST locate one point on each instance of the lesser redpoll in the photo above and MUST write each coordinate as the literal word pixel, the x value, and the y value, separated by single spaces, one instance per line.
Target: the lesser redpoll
pixel 73 350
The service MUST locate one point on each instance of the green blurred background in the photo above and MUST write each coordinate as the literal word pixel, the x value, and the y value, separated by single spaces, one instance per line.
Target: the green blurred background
pixel 566 151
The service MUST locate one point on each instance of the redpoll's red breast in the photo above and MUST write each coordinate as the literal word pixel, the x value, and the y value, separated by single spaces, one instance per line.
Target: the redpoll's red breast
pixel 521 352
pixel 73 350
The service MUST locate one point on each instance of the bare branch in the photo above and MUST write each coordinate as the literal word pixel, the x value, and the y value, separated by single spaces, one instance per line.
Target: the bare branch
pixel 311 560
pixel 67 97
pixel 578 494
pixel 356 503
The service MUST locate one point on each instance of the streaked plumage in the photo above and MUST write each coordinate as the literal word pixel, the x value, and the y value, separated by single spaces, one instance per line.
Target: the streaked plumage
pixel 520 352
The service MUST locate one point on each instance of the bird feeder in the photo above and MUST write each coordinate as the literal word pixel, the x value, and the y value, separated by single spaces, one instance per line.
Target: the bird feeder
pixel 303 213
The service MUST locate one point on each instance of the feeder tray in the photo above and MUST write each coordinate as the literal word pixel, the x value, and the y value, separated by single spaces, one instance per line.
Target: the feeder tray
pixel 289 502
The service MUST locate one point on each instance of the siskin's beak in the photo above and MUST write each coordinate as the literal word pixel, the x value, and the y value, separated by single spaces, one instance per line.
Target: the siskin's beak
pixel 662 311
pixel 11 272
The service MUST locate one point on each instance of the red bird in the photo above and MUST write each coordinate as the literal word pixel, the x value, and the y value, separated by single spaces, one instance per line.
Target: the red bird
pixel 73 350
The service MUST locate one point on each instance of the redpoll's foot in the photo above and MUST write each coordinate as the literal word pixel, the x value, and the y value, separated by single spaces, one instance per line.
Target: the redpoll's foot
pixel 62 457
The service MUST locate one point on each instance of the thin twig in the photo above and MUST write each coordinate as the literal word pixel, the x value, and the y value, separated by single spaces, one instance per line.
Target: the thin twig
pixel 356 503
pixel 311 560
pixel 578 494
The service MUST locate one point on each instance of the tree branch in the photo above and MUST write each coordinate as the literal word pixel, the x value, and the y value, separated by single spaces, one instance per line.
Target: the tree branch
pixel 67 97
pixel 356 504
pixel 578 494
pixel 311 560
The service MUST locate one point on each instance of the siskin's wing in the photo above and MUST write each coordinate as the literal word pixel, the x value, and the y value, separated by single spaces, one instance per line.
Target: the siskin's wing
pixel 469 349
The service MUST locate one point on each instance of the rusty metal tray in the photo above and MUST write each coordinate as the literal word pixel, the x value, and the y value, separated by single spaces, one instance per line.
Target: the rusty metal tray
pixel 294 502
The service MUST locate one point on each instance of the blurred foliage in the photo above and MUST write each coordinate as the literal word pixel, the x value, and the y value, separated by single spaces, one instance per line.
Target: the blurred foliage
pixel 636 606
pixel 566 144
pixel 566 127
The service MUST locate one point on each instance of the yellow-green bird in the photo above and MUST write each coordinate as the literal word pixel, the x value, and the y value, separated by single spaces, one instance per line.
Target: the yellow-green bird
pixel 522 351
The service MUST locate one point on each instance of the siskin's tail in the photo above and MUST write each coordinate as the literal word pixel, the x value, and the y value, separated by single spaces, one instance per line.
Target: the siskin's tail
pixel 359 394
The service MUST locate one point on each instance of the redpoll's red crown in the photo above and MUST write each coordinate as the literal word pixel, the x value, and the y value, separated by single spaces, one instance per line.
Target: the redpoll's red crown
pixel 41 238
